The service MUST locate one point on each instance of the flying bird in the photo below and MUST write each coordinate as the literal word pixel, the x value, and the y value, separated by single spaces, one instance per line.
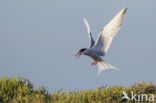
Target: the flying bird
pixel 98 49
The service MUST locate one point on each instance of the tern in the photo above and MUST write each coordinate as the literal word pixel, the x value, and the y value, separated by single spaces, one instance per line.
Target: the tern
pixel 98 49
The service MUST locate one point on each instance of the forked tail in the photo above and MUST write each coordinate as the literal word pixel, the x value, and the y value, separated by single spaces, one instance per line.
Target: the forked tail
pixel 102 65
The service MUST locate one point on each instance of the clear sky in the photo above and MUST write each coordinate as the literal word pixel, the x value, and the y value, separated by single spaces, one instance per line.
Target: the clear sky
pixel 39 38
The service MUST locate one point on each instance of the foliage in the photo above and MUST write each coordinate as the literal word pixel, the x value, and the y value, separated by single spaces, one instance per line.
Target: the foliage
pixel 22 91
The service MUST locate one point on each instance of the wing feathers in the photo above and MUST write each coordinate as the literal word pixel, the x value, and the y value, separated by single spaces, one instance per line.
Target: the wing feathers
pixel 109 31
pixel 92 42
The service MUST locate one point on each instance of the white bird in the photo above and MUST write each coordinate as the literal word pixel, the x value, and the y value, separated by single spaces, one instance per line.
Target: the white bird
pixel 99 48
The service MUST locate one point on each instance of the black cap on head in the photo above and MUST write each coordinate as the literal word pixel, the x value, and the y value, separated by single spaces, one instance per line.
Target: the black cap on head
pixel 83 49
pixel 80 52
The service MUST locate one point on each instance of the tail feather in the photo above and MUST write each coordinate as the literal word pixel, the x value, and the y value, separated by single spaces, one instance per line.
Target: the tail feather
pixel 102 65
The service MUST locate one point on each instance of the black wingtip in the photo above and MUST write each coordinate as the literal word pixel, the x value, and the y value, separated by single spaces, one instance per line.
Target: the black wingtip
pixel 125 9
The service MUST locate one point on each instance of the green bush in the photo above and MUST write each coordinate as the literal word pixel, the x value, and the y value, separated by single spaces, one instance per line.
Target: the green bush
pixel 22 91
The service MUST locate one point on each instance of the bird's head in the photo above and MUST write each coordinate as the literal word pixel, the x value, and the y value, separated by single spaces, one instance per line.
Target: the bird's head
pixel 81 51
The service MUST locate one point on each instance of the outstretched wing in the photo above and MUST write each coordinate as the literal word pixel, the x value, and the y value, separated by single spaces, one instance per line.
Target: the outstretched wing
pixel 108 33
pixel 92 42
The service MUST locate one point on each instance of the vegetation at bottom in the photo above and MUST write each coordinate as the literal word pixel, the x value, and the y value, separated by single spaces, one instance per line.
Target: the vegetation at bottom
pixel 21 90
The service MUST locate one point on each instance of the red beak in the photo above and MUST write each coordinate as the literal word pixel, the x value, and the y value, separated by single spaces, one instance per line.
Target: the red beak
pixel 78 54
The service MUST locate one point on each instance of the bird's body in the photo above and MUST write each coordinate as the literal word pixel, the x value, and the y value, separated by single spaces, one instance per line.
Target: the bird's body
pixel 98 49
pixel 93 54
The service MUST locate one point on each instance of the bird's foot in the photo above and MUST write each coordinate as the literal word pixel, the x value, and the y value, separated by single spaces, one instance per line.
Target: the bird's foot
pixel 94 63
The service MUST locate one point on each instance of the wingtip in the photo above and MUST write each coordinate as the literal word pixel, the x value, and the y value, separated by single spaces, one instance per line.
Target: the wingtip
pixel 125 9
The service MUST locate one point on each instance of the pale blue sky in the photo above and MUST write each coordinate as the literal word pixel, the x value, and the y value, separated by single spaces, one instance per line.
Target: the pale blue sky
pixel 39 38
